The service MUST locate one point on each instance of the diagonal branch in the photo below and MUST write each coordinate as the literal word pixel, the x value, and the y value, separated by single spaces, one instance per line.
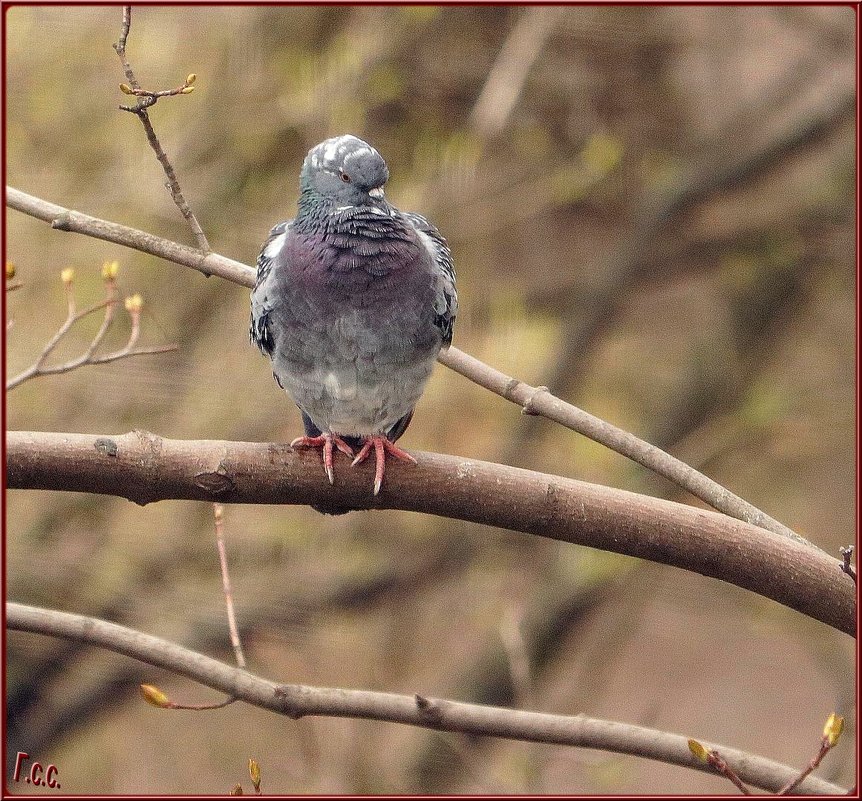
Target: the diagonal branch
pixel 526 396
pixel 63 219
pixel 144 467
pixel 539 401
pixel 508 76
pixel 296 701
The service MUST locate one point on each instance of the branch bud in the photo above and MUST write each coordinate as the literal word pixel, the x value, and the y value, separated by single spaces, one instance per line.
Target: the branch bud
pixel 126 89
pixel 67 276
pixel 698 750
pixel 110 270
pixel 237 790
pixel 254 773
pixel 833 728
pixel 134 303
pixel 10 270
pixel 191 78
pixel 187 90
pixel 154 696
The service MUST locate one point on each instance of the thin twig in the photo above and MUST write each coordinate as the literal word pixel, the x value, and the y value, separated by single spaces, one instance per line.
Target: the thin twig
pixel 218 514
pixel 140 111
pixel 825 748
pixel 73 316
pixel 524 395
pixel 124 34
pixel 204 707
pixel 183 89
pixel 297 701
pixel 123 353
pixel 161 700
pixel 719 764
pixel 154 696
pixel 111 286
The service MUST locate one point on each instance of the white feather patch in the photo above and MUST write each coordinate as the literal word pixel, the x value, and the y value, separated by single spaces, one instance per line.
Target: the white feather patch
pixel 362 151
pixel 331 150
pixel 332 384
pixel 430 244
pixel 273 248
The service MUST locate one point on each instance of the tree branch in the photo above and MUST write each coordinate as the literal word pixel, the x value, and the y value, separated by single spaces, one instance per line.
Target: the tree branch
pixel 539 401
pixel 36 723
pixel 133 306
pixel 529 398
pixel 297 701
pixel 140 111
pixel 144 468
pixel 508 75
pixel 63 219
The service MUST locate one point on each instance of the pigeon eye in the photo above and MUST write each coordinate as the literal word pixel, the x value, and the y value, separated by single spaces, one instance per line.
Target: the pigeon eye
pixel 345 177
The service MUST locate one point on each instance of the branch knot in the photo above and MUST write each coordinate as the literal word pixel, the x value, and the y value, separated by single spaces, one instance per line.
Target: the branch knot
pixel 528 404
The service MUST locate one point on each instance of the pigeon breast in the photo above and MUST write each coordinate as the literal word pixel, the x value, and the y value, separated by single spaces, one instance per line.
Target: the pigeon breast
pixel 350 311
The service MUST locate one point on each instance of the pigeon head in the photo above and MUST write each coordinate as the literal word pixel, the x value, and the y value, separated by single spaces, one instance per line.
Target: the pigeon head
pixel 344 170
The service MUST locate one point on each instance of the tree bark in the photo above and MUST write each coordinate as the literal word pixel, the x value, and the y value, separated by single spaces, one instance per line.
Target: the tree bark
pixel 144 467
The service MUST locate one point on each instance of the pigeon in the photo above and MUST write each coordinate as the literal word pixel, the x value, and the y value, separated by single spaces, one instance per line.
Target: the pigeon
pixel 353 302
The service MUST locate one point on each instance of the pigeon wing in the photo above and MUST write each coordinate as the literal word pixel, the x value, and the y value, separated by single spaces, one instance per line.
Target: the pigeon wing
pixel 259 330
pixel 446 299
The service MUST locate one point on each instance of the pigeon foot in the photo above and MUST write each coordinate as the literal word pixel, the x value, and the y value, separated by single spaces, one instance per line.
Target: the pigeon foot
pixel 325 441
pixel 381 446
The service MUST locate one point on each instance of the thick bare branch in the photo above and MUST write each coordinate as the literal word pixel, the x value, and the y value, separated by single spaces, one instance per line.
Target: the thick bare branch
pixel 528 397
pixel 144 468
pixel 538 401
pixel 297 701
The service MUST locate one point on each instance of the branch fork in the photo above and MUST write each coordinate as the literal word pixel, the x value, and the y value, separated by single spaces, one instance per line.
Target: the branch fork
pixel 133 305
pixel 147 99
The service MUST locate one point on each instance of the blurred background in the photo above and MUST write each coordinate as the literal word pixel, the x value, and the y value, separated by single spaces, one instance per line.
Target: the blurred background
pixel 651 211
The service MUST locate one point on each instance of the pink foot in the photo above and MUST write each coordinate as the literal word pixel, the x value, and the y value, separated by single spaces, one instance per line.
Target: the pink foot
pixel 325 441
pixel 381 446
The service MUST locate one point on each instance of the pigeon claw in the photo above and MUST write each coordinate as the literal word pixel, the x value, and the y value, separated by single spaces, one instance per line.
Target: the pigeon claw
pixel 325 441
pixel 381 446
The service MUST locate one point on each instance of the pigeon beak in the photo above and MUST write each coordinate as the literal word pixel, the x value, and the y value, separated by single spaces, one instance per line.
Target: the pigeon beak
pixel 376 193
